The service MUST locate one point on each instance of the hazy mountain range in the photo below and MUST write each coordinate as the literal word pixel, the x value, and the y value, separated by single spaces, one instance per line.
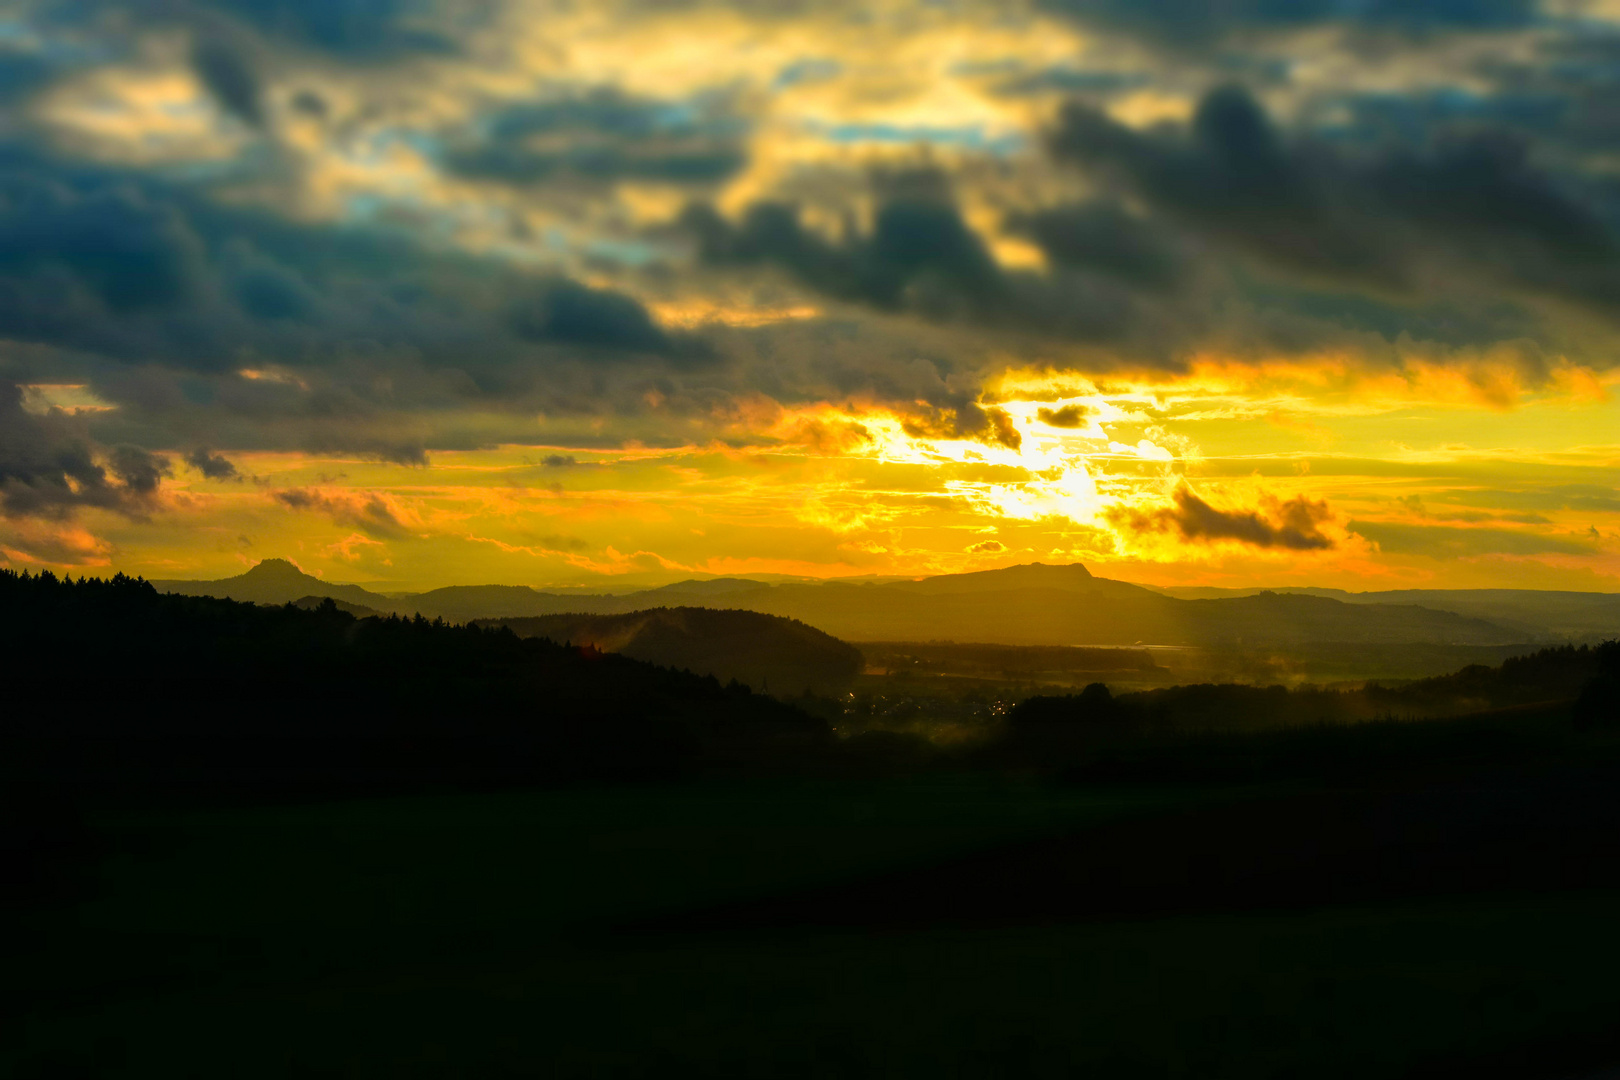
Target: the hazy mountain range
pixel 1034 604
pixel 1564 614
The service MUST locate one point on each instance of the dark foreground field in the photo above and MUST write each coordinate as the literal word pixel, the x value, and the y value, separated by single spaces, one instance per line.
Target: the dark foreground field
pixel 337 847
pixel 1456 923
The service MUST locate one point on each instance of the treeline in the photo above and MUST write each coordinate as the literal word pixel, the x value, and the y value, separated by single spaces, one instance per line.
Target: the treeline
pixel 112 683
pixel 1585 675
pixel 1555 674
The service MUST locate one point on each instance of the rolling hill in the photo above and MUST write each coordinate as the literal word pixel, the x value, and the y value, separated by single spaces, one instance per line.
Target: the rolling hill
pixel 765 652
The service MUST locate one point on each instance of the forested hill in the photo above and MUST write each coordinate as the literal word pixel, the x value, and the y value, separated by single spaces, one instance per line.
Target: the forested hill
pixel 765 652
pixel 127 682
pixel 1587 677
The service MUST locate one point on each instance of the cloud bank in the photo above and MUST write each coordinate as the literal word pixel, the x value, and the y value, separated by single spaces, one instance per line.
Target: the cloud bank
pixel 1038 263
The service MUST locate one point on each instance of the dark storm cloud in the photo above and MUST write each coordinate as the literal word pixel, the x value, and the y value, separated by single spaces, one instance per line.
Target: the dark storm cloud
pixel 1295 524
pixel 1069 416
pixel 109 246
pixel 1202 23
pixel 132 269
pixel 962 419
pixel 367 512
pixel 1235 235
pixel 266 289
pixel 362 29
pixel 921 257
pixel 213 466
pixel 22 71
pixel 49 466
pixel 1073 81
pixel 355 30
pixel 158 298
pixel 1151 286
pixel 1474 203
pixel 576 314
pixel 237 45
pixel 227 68
pixel 1101 236
pixel 604 136
pixel 920 253
pixel 140 470
pixel 1409 119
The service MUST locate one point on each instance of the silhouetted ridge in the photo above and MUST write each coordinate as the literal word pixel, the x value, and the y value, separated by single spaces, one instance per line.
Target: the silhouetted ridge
pixel 766 652
pixel 134 685
pixel 1031 604
pixel 1062 576
pixel 275 581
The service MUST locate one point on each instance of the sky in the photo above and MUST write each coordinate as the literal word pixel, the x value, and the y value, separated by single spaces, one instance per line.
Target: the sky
pixel 418 293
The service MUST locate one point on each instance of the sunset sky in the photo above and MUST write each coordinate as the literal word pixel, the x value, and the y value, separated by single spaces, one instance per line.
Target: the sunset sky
pixel 618 293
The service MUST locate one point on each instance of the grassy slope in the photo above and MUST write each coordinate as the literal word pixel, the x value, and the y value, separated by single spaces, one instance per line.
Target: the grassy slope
pixel 467 935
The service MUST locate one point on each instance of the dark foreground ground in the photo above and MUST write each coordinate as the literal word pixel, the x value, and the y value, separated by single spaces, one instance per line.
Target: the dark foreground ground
pixel 1453 923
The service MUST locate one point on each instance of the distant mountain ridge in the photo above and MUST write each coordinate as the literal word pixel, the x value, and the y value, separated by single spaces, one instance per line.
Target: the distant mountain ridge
pixel 1114 613
pixel 1559 612
pixel 1031 604
pixel 275 581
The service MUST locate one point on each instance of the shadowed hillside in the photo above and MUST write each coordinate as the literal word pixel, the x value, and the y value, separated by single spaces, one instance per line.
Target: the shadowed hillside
pixel 761 651
pixel 359 611
pixel 198 691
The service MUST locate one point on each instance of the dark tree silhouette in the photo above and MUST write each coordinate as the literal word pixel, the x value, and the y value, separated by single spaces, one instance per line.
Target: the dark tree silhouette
pixel 114 683
pixel 1599 703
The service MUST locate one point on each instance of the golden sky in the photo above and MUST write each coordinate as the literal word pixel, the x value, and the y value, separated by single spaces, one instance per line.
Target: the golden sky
pixel 419 294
